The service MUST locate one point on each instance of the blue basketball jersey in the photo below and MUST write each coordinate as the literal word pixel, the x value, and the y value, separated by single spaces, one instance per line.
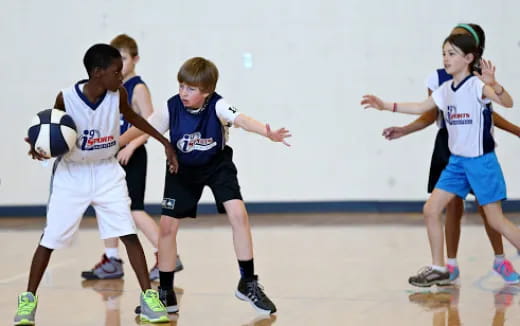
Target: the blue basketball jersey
pixel 443 76
pixel 129 86
pixel 197 137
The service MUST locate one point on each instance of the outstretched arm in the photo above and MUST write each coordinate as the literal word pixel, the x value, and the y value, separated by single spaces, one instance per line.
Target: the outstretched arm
pixel 143 125
pixel 372 101
pixel 504 124
pixel 426 119
pixel 249 124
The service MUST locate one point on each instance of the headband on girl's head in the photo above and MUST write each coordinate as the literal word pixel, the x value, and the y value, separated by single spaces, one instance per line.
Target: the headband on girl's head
pixel 471 30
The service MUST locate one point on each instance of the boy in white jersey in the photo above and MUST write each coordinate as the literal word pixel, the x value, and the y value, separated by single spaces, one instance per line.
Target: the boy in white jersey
pixel 197 119
pixel 90 175
pixel 473 164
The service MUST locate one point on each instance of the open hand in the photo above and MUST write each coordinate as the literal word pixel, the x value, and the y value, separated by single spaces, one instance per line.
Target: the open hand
pixel 278 135
pixel 488 72
pixel 372 101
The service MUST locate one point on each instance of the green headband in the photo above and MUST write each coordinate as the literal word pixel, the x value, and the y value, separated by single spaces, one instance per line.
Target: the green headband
pixel 471 30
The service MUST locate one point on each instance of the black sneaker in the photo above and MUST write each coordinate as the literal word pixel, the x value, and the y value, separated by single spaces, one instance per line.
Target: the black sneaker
pixel 250 290
pixel 168 298
pixel 427 276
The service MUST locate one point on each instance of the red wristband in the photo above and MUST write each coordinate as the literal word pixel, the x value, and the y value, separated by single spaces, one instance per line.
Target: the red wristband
pixel 394 108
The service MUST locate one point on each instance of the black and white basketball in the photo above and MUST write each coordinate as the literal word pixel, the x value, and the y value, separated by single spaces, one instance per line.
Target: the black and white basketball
pixel 52 133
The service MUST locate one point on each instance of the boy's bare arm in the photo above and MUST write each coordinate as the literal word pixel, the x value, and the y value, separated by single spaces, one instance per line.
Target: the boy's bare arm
pixel 143 125
pixel 249 124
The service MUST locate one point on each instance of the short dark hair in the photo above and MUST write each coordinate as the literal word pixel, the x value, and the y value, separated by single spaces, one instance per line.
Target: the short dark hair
pixel 100 56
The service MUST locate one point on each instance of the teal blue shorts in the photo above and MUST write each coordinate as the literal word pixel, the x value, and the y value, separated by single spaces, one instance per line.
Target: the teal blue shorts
pixel 481 174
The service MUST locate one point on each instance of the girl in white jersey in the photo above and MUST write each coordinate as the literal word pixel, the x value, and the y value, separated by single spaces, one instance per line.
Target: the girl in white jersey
pixel 439 160
pixel 473 164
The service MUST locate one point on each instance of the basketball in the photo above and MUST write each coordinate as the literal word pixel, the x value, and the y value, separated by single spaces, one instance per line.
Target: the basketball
pixel 52 133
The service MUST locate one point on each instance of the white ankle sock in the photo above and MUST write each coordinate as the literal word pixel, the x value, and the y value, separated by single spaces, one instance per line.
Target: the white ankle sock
pixel 439 268
pixel 112 252
pixel 499 259
pixel 452 261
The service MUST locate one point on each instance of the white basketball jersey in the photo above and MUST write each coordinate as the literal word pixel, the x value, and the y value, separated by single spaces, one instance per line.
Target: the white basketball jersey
pixel 467 117
pixel 97 124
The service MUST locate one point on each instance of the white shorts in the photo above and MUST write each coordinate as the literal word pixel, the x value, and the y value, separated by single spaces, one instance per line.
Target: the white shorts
pixel 75 186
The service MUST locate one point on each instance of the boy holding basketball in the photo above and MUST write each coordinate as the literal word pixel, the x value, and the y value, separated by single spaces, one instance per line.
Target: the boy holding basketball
pixel 91 175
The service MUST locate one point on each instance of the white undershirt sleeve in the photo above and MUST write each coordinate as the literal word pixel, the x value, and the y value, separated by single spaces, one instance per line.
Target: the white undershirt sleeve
pixel 226 112
pixel 160 120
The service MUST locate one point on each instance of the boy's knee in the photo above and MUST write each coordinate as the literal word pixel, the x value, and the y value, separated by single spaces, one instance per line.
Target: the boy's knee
pixel 168 226
pixel 239 219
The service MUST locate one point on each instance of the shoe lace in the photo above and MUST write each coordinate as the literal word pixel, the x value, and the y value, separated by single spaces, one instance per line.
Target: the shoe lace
pixel 424 270
pixel 152 300
pixel 256 290
pixel 25 307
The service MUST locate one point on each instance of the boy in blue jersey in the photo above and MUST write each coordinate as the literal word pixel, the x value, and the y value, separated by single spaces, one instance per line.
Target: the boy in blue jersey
pixel 133 159
pixel 197 119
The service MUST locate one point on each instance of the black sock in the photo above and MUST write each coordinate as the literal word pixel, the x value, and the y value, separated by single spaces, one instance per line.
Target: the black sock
pixel 166 280
pixel 247 268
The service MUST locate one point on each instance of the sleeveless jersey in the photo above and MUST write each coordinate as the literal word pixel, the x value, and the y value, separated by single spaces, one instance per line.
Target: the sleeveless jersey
pixel 467 117
pixel 197 137
pixel 97 124
pixel 129 85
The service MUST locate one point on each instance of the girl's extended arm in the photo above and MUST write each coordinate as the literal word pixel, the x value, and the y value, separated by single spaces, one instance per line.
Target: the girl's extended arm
pixel 372 101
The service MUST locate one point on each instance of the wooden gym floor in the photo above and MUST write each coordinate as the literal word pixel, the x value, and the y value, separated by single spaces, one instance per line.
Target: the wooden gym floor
pixel 320 269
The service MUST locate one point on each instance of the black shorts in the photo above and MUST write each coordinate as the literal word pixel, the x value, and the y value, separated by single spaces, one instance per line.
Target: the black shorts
pixel 182 191
pixel 440 157
pixel 136 178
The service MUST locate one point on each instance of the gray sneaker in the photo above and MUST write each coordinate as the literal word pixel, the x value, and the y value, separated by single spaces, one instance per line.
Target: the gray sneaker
pixel 427 276
pixel 154 272
pixel 107 268
pixel 27 303
pixel 152 309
